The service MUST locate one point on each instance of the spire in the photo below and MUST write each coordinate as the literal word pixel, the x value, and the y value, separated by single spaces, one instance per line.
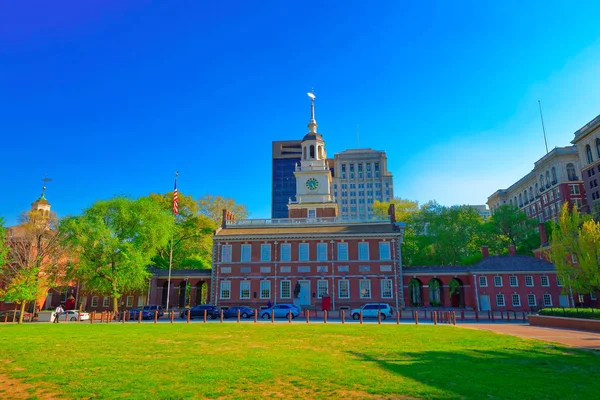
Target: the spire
pixel 312 125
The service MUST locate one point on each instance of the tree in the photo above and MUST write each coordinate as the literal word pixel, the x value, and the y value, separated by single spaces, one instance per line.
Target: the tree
pixel 575 250
pixel 115 241
pixel 213 206
pixel 192 237
pixel 35 258
pixel 4 249
pixel 404 209
pixel 510 226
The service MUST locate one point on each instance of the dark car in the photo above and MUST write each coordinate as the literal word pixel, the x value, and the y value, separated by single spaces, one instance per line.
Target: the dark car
pixel 232 312
pixel 153 307
pixel 212 312
pixel 146 314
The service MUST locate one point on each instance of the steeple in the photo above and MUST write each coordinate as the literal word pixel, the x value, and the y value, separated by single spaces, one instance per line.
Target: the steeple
pixel 42 204
pixel 312 125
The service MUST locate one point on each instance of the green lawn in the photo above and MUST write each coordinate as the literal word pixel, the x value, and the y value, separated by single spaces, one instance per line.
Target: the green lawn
pixel 298 361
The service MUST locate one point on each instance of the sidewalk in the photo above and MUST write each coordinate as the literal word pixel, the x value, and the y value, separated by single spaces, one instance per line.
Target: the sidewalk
pixel 580 339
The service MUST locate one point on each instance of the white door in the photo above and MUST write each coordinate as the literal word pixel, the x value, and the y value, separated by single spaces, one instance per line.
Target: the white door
pixel 304 296
pixel 563 300
pixel 484 302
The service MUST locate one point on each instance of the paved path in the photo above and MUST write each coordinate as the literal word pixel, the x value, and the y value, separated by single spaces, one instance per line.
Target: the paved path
pixel 581 339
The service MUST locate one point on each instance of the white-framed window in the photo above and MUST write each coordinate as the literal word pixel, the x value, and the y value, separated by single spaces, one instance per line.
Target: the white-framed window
pixel 129 301
pixel 513 281
pixel 363 251
pixel 94 301
pixel 593 296
pixel 498 281
pixel 226 253
pixel 285 290
pixel 225 290
pixel 140 301
pixel 105 301
pixel 343 268
pixel 225 270
pixel 322 268
pixel 500 300
pixel 303 252
pixel 364 268
pixel 321 251
pixel 246 253
pixel 547 300
pixel 386 288
pixel 322 288
pixel 580 298
pixel 365 288
pixel 265 270
pixel 342 251
pixel 285 269
pixel 244 290
pixel 516 300
pixel 558 282
pixel 265 252
pixel 286 252
pixel 304 268
pixel 343 289
pixel 265 289
pixel 531 300
pixel 384 251
pixel 483 281
pixel 529 281
pixel 544 280
pixel 385 268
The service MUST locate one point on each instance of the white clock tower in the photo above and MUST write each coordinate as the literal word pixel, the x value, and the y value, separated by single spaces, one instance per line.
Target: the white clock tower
pixel 313 177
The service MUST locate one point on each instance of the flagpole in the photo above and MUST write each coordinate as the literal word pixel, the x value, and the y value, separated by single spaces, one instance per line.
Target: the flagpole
pixel 175 212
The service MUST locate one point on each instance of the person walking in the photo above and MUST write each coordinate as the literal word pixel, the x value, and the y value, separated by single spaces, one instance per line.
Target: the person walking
pixel 59 310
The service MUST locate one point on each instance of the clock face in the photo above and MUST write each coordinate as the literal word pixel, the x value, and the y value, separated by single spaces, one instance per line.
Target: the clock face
pixel 312 184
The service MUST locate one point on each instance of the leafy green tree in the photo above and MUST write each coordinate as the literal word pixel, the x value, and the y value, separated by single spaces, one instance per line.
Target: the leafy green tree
pixel 192 237
pixel 510 226
pixel 35 258
pixel 575 250
pixel 404 209
pixel 115 241
pixel 213 206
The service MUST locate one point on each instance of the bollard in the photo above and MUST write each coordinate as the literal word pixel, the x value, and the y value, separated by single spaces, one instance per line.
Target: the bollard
pixel 92 317
pixel 489 315
pixel 435 318
pixel 343 315
pixel 523 316
pixel 6 318
pixel 78 316
pixel 123 318
pixel 290 317
pixel 205 316
pixel 476 316
pixel 255 315
pixel 324 316
pixel 189 315
pixel 462 315
pixel 272 316
pixel 416 317
pixel 66 316
pixel 492 316
pixel 379 316
pixel 306 314
pixel 502 315
pixel 361 317
pixel 238 315
pixel 172 316
pixel 507 316
pixel 398 317
pixel 515 315
pixel 156 316
pixel 453 318
pixel 221 316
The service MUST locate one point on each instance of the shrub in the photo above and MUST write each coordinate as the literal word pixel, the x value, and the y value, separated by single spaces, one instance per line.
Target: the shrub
pixel 584 313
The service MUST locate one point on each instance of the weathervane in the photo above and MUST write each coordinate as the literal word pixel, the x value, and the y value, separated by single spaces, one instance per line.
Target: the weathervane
pixel 45 180
pixel 311 94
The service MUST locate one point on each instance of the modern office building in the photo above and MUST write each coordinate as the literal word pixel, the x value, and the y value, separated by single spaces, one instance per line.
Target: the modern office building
pixel 361 178
pixel 482 209
pixel 286 154
pixel 541 193
pixel 587 141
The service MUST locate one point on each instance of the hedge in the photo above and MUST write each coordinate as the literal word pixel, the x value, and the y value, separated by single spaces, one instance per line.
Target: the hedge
pixel 584 313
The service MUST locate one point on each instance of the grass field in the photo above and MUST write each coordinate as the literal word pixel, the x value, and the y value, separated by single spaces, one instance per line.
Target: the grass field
pixel 282 361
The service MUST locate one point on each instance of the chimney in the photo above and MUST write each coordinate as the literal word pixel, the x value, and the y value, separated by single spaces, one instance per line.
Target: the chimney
pixel 485 251
pixel 543 234
pixel 392 212
pixel 512 251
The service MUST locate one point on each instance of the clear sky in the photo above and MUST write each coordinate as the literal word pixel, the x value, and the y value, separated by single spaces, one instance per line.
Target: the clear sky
pixel 111 97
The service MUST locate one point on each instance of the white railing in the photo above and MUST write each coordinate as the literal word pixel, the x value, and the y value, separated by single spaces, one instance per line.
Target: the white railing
pixel 312 168
pixel 297 221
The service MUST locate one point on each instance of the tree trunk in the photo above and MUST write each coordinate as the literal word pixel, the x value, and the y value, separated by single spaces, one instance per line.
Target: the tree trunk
pixel 22 312
pixel 116 305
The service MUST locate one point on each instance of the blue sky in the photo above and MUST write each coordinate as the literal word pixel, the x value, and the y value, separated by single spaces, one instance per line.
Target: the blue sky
pixel 111 97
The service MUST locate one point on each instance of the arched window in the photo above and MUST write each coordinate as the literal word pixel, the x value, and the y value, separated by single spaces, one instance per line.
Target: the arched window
pixel 435 292
pixel 312 151
pixel 510 201
pixel 554 180
pixel 571 172
pixel 320 152
pixel 530 193
pixel 536 187
pixel 541 182
pixel 588 151
pixel 520 200
pixel 598 147
pixel 415 288
pixel 547 179
pixel 304 148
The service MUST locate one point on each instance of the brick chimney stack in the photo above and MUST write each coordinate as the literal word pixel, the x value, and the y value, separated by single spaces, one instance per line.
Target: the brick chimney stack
pixel 512 251
pixel 485 251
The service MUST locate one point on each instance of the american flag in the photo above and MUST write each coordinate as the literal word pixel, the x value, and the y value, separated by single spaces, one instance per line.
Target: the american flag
pixel 175 209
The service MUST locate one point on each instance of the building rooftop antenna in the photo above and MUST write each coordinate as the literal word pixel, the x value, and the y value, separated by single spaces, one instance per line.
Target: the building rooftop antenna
pixel 543 127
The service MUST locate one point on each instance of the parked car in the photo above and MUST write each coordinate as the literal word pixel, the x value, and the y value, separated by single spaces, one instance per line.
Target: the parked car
pixel 212 312
pixel 74 315
pixel 232 312
pixel 12 314
pixel 371 310
pixel 280 311
pixel 154 307
pixel 146 314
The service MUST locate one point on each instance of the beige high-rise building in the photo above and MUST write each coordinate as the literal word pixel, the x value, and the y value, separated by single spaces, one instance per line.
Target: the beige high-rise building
pixel 361 177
